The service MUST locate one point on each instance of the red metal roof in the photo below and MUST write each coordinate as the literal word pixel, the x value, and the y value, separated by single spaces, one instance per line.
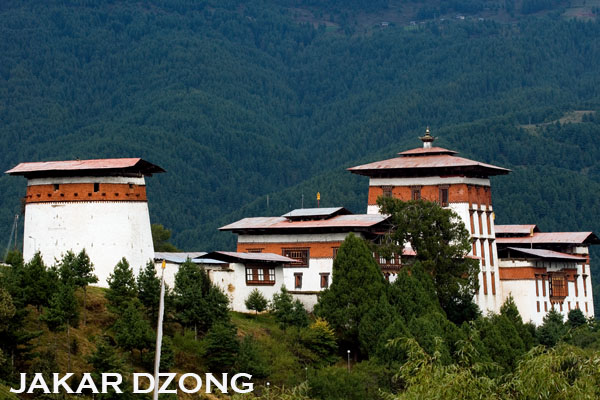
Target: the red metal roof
pixel 50 167
pixel 547 254
pixel 340 221
pixel 553 237
pixel 435 161
pixel 233 256
pixel 524 229
pixel 429 151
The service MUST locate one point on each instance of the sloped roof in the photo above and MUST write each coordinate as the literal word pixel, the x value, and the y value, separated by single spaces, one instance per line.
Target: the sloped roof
pixel 445 162
pixel 234 256
pixel 307 213
pixel 181 257
pixel 276 223
pixel 524 229
pixel 428 151
pixel 553 237
pixel 546 254
pixel 79 167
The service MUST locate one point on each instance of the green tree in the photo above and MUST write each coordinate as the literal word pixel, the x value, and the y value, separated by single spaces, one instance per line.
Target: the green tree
pixel 39 283
pixel 160 239
pixel 356 288
pixel 121 286
pixel 287 311
pixel 198 303
pixel 575 318
pixel 552 329
pixel 320 339
pixel 78 270
pixel 222 346
pixel 132 330
pixel 256 301
pixel 441 243
pixel 148 286
pixel 62 313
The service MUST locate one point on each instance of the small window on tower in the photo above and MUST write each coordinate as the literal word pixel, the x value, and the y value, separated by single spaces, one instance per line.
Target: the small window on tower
pixel 387 191
pixel 444 197
pixel 416 193
pixel 324 280
pixel 96 187
pixel 56 187
pixel 298 280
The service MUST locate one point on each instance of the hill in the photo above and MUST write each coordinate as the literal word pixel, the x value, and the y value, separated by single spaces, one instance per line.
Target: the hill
pixel 243 100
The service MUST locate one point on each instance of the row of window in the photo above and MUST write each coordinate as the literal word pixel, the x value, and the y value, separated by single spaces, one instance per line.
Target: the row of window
pixel 493 282
pixel 552 304
pixel 324 276
pixel 415 194
pixel 558 285
pixel 484 259
pixel 488 216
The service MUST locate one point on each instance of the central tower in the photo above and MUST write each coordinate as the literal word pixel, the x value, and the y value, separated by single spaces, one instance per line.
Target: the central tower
pixel 437 174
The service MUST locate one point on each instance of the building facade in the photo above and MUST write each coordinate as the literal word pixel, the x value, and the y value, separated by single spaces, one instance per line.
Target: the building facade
pixel 97 205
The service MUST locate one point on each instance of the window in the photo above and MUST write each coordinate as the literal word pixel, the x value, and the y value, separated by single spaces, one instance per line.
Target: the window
pixel 584 285
pixel 558 286
pixel 475 248
pixel 538 306
pixel 298 280
pixel 484 283
pixel 300 255
pixel 493 277
pixel 444 197
pixel 387 191
pixel 483 260
pixel 416 192
pixel 576 287
pixel 324 280
pixel 489 222
pixel 491 248
pixel 480 217
pixel 258 275
pixel 472 224
pixel 335 251
pixel 96 187
pixel 56 187
pixel 254 250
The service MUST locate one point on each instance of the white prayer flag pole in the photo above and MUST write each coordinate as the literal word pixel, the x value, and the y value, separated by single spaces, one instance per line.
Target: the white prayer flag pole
pixel 161 311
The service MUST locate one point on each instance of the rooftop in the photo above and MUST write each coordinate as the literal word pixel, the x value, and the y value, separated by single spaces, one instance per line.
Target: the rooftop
pixel 545 254
pixel 315 213
pixel 552 237
pixel 107 166
pixel 281 223
pixel 233 256
pixel 524 229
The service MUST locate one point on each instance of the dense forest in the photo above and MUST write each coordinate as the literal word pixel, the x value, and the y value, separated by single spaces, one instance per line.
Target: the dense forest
pixel 252 107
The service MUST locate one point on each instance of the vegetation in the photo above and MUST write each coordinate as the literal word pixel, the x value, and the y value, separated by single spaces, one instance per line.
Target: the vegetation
pixel 256 301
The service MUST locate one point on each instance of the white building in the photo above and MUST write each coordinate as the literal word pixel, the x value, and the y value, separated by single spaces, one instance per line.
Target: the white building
pixel 96 205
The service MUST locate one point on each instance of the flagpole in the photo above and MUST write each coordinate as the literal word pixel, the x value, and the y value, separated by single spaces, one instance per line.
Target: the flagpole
pixel 159 328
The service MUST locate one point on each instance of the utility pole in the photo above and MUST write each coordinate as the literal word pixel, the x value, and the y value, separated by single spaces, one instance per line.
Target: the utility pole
pixel 159 329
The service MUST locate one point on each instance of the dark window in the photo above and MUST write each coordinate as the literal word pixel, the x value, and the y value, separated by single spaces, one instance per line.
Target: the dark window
pixel 56 187
pixel 416 193
pixel 387 191
pixel 335 251
pixel 444 197
pixel 298 280
pixel 254 250
pixel 324 280
pixel 300 255
pixel 260 276
pixel 96 187
pixel 558 285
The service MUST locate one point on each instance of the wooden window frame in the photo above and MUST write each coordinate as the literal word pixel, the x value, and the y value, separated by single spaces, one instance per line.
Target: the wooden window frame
pixel 298 280
pixel 493 278
pixel 491 249
pixel 258 275
pixel 302 254
pixel 584 277
pixel 387 191
pixel 485 290
pixel 558 285
pixel 415 192
pixel 483 258
pixel 444 192
pixel 324 278
pixel 254 250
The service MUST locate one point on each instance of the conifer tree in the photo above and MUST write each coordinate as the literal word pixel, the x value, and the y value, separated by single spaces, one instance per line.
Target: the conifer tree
pixel 78 271
pixel 132 330
pixel 552 329
pixel 287 311
pixel 148 286
pixel 121 286
pixel 39 283
pixel 575 318
pixel 256 301
pixel 199 304
pixel 356 288
pixel 222 346
pixel 441 243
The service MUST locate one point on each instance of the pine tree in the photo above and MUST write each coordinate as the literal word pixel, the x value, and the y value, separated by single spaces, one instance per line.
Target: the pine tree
pixel 575 318
pixel 148 285
pixel 198 303
pixel 38 282
pixel 78 271
pixel 222 346
pixel 356 288
pixel 287 311
pixel 121 286
pixel 441 243
pixel 256 301
pixel 63 313
pixel 132 330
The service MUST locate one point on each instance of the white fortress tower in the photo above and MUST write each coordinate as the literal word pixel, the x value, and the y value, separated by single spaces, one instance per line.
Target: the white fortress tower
pixel 463 185
pixel 96 205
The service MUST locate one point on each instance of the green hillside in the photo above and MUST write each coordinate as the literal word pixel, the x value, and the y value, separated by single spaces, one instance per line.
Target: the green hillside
pixel 243 100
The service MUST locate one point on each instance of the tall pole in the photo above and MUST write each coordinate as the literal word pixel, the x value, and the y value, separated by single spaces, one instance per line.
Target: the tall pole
pixel 348 360
pixel 159 333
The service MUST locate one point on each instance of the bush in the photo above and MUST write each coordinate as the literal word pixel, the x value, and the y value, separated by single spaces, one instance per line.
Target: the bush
pixel 256 301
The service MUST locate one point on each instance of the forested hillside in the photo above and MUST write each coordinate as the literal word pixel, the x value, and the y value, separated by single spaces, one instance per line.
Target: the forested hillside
pixel 243 100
